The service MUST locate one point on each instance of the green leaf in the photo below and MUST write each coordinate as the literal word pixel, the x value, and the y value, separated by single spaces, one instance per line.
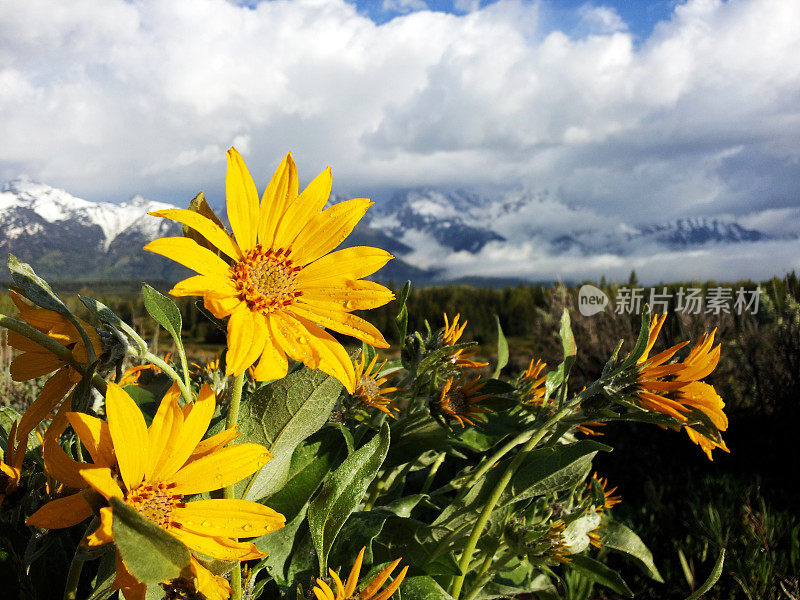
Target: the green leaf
pixel 280 546
pixel 401 320
pixel 712 578
pixel 641 342
pixel 35 288
pixel 615 536
pixel 311 462
pixel 597 571
pixel 151 554
pixel 279 416
pixel 502 349
pixel 567 342
pixel 343 492
pixel 164 311
pixel 423 587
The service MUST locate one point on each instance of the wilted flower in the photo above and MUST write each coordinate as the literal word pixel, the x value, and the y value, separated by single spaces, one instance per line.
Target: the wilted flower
pixel 277 280
pixel 533 383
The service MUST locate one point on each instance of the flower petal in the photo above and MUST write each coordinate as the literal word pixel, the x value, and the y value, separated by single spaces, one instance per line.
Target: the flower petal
pixel 61 466
pixel 273 363
pixel 221 307
pixel 96 436
pixel 103 534
pixel 216 547
pixel 352 579
pixel 325 231
pixel 203 285
pixel 247 333
pixel 129 432
pixel 316 348
pixel 60 513
pixel 52 392
pixel 242 201
pixel 205 227
pixel 215 442
pixel 194 428
pixel 342 322
pixel 100 478
pixel 280 192
pixel 222 468
pixel 228 518
pixel 191 255
pixel 346 295
pixel 307 205
pixel 33 364
pixel 352 263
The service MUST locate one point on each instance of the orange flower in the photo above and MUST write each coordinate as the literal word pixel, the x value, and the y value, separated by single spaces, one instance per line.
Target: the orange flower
pixel 347 590
pixel 534 394
pixel 369 388
pixel 452 333
pixel 675 389
pixel 460 401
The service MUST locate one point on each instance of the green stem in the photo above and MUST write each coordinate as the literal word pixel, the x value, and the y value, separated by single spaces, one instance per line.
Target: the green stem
pixel 48 343
pixel 229 492
pixel 173 374
pixel 76 566
pixel 432 473
pixel 494 498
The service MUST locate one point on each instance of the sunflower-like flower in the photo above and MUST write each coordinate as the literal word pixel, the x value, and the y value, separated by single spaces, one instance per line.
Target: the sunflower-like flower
pixel 369 388
pixel 152 469
pixel 452 333
pixel 675 389
pixel 347 590
pixel 460 400
pixel 52 392
pixel 35 361
pixel 558 550
pixel 609 499
pixel 533 382
pixel 275 278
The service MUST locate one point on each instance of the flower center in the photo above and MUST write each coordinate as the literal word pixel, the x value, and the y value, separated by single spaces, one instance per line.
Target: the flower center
pixel 456 401
pixel 368 387
pixel 265 279
pixel 155 502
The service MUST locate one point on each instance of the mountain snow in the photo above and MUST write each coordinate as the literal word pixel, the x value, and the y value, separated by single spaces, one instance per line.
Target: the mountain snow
pixel 54 205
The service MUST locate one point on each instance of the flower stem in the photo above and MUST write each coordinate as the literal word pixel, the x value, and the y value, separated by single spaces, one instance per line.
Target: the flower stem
pixel 494 498
pixel 48 343
pixel 173 374
pixel 432 473
pixel 229 492
pixel 76 566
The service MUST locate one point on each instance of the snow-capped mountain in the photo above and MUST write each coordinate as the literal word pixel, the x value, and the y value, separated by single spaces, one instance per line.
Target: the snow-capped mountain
pixel 68 237
pixel 436 235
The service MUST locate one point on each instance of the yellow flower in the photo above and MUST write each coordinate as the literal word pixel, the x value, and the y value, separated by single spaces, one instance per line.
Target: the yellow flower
pixel 152 470
pixel 369 388
pixel 347 590
pixel 675 389
pixel 531 378
pixel 460 401
pixel 52 392
pixel 35 361
pixel 276 280
pixel 452 333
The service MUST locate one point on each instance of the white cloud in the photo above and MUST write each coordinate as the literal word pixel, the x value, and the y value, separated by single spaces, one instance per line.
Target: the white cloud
pixel 108 99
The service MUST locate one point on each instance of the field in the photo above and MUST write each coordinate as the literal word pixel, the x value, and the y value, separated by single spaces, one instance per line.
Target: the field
pixel 684 507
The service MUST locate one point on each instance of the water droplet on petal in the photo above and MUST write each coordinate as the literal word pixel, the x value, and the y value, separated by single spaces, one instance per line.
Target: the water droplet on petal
pixel 206 523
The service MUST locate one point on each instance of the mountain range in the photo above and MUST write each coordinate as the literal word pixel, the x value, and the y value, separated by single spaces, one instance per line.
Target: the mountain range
pixel 437 235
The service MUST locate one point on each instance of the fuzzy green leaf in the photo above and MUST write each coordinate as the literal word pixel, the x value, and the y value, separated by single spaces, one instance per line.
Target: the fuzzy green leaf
pixel 164 311
pixel 423 588
pixel 35 288
pixel 343 492
pixel 502 349
pixel 279 416
pixel 615 536
pixel 597 571
pixel 151 554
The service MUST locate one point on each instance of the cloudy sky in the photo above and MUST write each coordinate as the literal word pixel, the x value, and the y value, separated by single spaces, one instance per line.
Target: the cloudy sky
pixel 648 109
